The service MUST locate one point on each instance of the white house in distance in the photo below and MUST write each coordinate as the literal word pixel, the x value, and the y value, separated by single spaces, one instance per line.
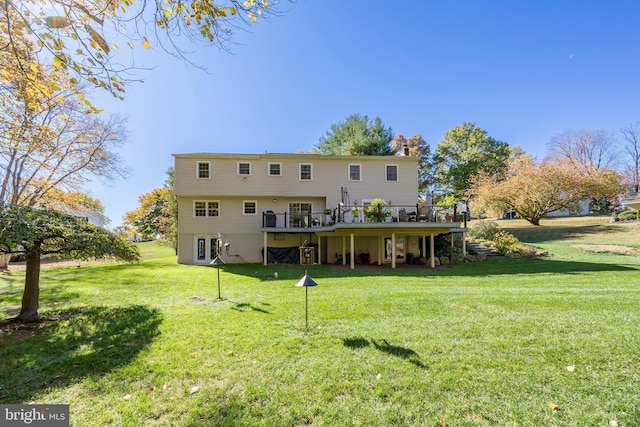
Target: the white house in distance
pixel 632 200
pixel 262 208
pixel 89 215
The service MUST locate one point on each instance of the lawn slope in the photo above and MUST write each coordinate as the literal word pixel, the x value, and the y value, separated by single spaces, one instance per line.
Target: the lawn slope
pixel 550 341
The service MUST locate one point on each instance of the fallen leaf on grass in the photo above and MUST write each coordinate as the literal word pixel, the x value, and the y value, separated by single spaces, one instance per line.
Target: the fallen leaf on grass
pixel 442 423
pixel 229 353
pixel 553 406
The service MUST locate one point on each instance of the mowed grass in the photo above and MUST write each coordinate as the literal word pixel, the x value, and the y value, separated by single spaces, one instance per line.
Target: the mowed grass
pixel 497 343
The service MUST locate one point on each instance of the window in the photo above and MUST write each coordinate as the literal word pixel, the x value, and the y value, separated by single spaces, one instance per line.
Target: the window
pixel 204 170
pixel 244 168
pixel 305 172
pixel 203 208
pixel 392 172
pixel 250 207
pixel 201 249
pixel 275 169
pixel 299 214
pixel 354 173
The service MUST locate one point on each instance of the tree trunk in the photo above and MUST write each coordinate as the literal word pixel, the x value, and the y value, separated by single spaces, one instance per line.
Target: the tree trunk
pixel 4 262
pixel 31 296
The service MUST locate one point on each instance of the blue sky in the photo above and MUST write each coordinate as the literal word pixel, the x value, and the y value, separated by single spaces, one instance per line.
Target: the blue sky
pixel 524 71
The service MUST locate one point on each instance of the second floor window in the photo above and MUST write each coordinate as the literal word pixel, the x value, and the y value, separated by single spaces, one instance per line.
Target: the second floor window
pixel 204 170
pixel 305 172
pixel 392 172
pixel 275 169
pixel 244 168
pixel 354 173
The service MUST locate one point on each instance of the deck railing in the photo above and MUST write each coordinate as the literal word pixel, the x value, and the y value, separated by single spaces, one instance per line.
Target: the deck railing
pixel 356 214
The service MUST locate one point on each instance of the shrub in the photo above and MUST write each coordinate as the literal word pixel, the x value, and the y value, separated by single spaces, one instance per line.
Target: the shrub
pixel 485 230
pixel 448 251
pixel 626 215
pixel 504 242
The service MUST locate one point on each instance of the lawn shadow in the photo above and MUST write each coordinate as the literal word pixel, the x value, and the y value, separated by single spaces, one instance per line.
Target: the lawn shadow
pixel 242 306
pixel 87 342
pixel 384 346
pixel 355 342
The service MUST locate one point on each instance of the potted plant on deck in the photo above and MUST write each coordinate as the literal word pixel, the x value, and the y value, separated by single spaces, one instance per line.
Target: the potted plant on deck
pixel 356 214
pixel 376 211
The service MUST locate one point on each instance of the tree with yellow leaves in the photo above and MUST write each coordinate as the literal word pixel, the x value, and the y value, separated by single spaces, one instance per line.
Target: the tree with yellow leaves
pixel 594 154
pixel 149 218
pixel 534 189
pixel 83 36
pixel 51 140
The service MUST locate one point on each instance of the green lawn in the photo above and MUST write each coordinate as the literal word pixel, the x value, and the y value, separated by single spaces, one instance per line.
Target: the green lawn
pixel 480 344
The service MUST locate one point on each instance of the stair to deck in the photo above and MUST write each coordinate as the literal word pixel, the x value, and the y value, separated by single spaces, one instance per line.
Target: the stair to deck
pixel 481 249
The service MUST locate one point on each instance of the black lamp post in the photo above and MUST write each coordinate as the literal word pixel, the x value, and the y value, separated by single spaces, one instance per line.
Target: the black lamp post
pixel 306 282
pixel 217 261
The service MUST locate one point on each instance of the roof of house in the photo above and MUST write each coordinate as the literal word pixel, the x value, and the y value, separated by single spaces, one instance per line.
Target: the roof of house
pixel 281 155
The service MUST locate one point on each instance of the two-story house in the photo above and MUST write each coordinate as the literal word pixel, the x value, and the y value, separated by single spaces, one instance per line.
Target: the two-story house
pixel 262 208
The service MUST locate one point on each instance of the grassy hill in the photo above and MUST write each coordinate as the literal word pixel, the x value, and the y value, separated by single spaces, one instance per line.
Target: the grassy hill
pixel 548 341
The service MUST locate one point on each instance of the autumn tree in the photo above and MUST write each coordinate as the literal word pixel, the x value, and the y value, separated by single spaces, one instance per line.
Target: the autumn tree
pixel 631 146
pixel 72 201
pixel 83 37
pixel 534 189
pixel 417 147
pixel 147 219
pixel 466 151
pixel 156 214
pixel 170 212
pixel 52 140
pixel 592 153
pixel 357 135
pixel 39 232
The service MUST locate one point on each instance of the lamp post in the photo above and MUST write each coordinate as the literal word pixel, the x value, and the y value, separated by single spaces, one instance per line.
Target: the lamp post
pixel 306 282
pixel 217 261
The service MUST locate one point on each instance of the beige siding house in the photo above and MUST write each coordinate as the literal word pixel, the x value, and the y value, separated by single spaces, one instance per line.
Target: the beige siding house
pixel 632 201
pixel 261 208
